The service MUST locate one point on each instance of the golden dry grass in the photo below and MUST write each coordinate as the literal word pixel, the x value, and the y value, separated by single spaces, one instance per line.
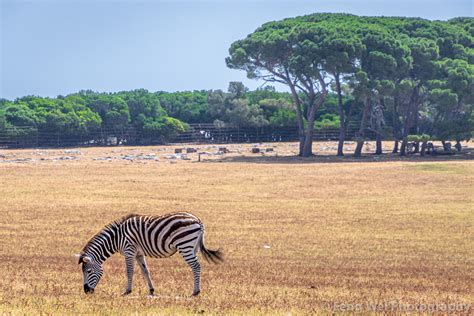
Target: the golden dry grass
pixel 339 233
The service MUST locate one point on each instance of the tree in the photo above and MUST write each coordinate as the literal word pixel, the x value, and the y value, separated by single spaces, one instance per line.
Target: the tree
pixel 19 114
pixel 142 102
pixel 382 59
pixel 287 52
pixel 112 109
pixel 424 53
pixel 451 101
pixel 165 129
pixel 278 112
pixel 237 89
pixel 344 52
pixel 234 108
pixel 187 106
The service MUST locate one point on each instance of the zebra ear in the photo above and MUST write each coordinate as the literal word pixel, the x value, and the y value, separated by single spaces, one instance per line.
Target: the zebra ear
pixel 86 259
pixel 78 257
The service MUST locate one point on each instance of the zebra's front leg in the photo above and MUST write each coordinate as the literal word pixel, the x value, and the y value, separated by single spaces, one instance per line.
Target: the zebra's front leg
pixel 146 274
pixel 191 259
pixel 129 264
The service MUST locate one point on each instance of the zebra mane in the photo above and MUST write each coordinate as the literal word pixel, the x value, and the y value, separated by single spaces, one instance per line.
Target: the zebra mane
pixel 122 219
pixel 112 224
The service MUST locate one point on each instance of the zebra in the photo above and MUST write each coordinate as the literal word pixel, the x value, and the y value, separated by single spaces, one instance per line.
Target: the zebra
pixel 137 236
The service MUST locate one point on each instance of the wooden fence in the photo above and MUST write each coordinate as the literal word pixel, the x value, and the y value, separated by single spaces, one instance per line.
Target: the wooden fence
pixel 30 137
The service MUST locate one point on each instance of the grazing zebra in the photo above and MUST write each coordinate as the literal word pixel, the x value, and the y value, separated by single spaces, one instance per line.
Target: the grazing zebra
pixel 136 236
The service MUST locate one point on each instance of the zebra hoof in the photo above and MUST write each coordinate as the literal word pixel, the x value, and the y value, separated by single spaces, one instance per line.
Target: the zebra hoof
pixel 126 292
pixel 152 292
pixel 196 293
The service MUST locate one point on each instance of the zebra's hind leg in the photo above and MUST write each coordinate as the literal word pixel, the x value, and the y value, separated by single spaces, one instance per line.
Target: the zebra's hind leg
pixel 189 255
pixel 146 274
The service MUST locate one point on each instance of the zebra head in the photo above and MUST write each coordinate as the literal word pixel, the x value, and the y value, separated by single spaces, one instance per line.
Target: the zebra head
pixel 92 271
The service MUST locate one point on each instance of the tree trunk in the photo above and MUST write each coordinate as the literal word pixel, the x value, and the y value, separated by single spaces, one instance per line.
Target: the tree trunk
pixel 308 142
pixel 342 119
pixel 396 125
pixel 348 119
pixel 363 125
pixel 358 149
pixel 378 136
pixel 423 148
pixel 458 145
pixel 417 148
pixel 415 121
pixel 403 147
pixel 314 103
pixel 302 138
pixel 299 118
pixel 395 147
pixel 378 142
pixel 342 137
pixel 411 113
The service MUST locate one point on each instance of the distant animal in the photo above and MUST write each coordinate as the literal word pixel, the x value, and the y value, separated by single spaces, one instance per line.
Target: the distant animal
pixel 136 236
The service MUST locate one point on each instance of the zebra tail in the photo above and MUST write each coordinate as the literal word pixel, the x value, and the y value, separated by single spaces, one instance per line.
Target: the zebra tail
pixel 211 256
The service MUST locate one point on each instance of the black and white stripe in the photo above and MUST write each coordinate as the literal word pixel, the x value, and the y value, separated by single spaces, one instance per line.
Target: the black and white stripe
pixel 138 236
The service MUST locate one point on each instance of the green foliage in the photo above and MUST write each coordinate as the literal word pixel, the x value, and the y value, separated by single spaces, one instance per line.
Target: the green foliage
pixel 142 102
pixel 188 106
pixel 67 115
pixel 87 111
pixel 282 118
pixel 20 114
pixel 112 109
pixel 421 68
pixel 419 138
pixel 269 93
pixel 3 120
pixel 424 137
pixel 259 108
pixel 167 128
pixel 327 121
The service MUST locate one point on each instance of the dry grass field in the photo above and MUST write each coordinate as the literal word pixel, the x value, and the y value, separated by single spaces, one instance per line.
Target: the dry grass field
pixel 300 236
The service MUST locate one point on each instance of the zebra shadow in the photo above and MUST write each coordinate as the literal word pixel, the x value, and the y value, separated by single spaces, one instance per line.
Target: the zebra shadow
pixel 163 297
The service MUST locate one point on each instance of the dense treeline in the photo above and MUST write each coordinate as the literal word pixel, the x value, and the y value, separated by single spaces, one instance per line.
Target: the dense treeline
pixel 154 114
pixel 415 73
pixel 394 77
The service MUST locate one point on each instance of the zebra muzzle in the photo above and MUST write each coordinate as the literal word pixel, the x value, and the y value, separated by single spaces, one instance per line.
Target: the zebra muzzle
pixel 87 289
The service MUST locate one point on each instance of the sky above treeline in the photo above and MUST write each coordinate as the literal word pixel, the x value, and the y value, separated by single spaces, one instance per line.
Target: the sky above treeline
pixel 51 48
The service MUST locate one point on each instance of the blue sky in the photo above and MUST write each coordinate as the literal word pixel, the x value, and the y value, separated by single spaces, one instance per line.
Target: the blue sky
pixel 59 47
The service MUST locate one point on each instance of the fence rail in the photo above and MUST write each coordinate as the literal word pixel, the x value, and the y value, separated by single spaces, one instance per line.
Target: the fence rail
pixel 28 137
pixel 205 133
